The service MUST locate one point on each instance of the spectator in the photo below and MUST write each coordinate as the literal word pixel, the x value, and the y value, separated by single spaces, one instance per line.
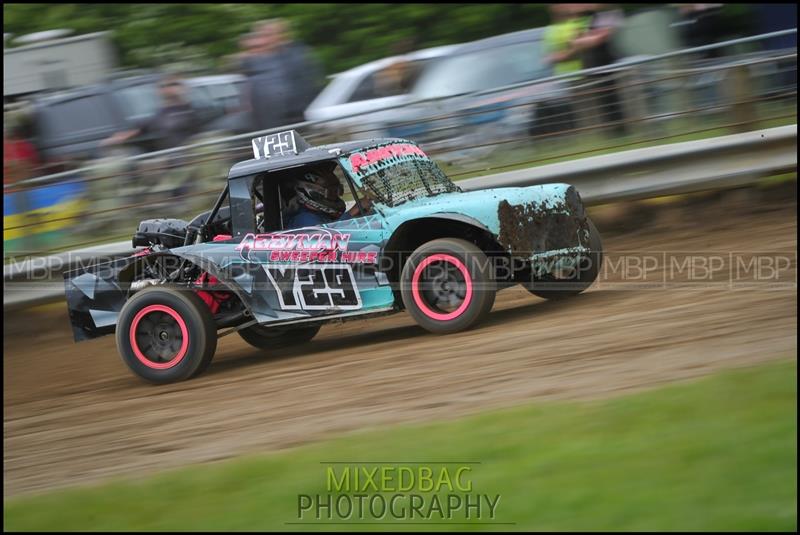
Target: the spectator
pixel 174 123
pixel 283 77
pixel 397 77
pixel 560 35
pixel 702 24
pixel 394 78
pixel 594 46
pixel 595 41
pixel 20 159
pixel 775 17
pixel 772 18
pixel 566 25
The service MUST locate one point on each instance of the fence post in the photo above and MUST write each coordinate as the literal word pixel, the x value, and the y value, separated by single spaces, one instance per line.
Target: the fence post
pixel 632 91
pixel 584 105
pixel 740 88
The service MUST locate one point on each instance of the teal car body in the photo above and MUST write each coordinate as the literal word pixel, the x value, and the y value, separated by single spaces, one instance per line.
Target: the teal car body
pixel 283 276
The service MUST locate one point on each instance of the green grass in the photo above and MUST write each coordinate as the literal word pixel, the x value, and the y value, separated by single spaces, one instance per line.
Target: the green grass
pixel 718 453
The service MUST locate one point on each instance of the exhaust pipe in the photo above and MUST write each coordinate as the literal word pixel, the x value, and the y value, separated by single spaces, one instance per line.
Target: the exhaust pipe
pixel 144 283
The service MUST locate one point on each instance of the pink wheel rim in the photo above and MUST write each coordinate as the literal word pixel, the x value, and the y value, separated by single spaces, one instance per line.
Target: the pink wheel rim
pixel 135 346
pixel 420 302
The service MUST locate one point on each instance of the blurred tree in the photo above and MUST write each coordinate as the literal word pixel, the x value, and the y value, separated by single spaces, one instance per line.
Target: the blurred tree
pixel 341 35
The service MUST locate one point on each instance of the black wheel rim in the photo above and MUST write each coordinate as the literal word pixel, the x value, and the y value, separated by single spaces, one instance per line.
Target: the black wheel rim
pixel 158 337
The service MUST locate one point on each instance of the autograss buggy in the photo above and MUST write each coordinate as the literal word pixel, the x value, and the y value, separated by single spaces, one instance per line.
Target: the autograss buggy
pixel 419 244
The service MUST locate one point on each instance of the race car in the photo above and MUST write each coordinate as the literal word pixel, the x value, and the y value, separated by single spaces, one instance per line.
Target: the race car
pixel 417 243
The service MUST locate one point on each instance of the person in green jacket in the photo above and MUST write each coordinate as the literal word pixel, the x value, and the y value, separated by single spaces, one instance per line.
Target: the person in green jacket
pixel 560 36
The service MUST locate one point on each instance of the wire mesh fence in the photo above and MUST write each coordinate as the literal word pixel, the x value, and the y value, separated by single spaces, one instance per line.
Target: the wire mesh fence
pixel 675 97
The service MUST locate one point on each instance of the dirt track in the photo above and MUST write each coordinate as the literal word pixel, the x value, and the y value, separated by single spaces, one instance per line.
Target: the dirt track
pixel 73 413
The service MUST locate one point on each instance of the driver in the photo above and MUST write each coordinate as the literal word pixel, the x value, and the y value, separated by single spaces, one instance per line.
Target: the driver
pixel 318 200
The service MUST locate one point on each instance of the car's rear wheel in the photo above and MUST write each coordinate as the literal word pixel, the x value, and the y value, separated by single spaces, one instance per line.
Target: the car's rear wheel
pixel 278 337
pixel 166 334
pixel 447 285
pixel 588 268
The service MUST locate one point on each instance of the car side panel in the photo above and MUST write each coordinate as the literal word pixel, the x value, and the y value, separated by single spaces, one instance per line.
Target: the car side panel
pixel 280 284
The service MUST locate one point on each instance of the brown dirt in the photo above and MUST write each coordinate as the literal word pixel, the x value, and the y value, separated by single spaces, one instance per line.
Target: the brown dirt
pixel 73 413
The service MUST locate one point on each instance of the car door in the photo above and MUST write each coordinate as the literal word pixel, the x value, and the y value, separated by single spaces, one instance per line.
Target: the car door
pixel 326 270
pixel 365 238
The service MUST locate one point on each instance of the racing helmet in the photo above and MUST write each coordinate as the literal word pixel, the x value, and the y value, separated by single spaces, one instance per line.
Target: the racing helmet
pixel 320 192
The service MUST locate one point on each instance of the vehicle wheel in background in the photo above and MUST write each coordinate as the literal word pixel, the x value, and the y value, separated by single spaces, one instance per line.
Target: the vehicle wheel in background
pixel 447 285
pixel 166 334
pixel 551 287
pixel 277 337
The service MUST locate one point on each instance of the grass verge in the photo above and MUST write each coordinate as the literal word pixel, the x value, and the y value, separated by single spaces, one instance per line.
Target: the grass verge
pixel 719 453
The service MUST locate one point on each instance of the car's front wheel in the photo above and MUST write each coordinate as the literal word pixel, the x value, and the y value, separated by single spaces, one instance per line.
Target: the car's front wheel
pixel 166 334
pixel 447 285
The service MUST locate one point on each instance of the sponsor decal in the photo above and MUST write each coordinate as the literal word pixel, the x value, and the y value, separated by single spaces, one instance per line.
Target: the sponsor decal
pixel 363 163
pixel 315 287
pixel 316 245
